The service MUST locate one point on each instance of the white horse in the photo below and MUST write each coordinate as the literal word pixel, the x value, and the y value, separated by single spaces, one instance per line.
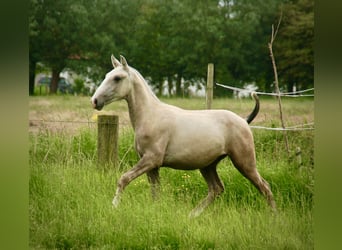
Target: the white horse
pixel 169 136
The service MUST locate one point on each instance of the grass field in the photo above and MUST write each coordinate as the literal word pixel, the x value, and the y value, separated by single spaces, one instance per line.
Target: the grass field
pixel 70 196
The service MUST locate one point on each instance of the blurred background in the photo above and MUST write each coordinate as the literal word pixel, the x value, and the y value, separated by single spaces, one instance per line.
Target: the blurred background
pixel 170 43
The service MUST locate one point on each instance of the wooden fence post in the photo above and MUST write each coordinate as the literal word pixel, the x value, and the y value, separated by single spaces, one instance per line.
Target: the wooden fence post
pixel 107 139
pixel 210 84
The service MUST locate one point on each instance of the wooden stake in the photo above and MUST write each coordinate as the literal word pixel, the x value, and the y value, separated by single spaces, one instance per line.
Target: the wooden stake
pixel 210 84
pixel 107 140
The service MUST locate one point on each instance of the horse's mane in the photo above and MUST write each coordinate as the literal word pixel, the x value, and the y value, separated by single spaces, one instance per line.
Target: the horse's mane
pixel 142 79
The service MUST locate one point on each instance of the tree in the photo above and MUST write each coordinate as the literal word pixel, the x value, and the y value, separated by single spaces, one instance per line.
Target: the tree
pixel 34 55
pixel 175 40
pixel 58 32
pixel 246 33
pixel 294 46
pixel 166 40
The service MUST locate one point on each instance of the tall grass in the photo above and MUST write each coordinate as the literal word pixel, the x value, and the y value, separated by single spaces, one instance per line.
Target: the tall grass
pixel 70 199
pixel 70 204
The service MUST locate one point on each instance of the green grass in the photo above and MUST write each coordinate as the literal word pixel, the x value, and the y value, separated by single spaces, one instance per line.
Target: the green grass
pixel 70 196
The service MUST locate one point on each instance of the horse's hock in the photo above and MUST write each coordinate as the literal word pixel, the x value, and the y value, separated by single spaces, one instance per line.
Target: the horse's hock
pixel 107 140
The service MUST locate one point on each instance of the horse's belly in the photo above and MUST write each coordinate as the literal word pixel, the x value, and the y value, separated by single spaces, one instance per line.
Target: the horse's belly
pixel 193 156
pixel 189 164
pixel 197 140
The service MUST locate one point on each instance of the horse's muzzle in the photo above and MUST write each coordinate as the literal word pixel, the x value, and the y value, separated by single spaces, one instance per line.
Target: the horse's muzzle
pixel 96 105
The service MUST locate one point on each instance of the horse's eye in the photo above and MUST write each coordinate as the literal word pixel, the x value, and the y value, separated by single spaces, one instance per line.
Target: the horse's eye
pixel 117 78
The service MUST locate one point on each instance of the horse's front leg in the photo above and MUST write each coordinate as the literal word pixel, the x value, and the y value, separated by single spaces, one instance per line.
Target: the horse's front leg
pixel 146 163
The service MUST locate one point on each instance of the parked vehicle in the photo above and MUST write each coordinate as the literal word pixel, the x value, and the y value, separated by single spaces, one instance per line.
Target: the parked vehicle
pixel 64 86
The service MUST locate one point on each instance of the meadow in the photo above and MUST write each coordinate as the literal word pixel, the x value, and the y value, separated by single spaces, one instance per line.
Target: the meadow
pixel 70 195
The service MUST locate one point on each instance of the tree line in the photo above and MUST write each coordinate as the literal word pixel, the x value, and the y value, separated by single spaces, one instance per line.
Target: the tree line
pixel 173 41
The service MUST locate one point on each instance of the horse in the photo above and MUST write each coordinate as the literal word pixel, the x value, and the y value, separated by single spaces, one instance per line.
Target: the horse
pixel 168 136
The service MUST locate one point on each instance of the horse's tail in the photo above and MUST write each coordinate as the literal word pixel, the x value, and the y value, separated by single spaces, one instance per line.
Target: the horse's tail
pixel 255 111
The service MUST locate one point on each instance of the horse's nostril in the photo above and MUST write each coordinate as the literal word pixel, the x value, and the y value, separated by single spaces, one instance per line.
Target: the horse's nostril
pixel 94 102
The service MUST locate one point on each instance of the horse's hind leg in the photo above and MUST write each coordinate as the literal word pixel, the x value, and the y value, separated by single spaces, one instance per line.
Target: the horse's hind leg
pixel 153 178
pixel 246 164
pixel 215 187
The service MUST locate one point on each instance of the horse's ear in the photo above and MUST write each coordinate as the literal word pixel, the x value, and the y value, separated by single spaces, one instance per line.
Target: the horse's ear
pixel 123 62
pixel 115 62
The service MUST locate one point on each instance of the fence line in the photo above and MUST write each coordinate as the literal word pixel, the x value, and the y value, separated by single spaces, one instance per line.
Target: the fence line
pixel 286 94
pixel 62 121
pixel 87 122
pixel 292 128
pixel 296 128
pixel 300 127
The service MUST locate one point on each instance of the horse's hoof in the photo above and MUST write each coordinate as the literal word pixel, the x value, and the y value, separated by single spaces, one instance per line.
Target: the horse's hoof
pixel 193 214
pixel 115 202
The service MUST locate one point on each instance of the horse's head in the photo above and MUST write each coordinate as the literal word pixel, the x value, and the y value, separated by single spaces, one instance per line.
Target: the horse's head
pixel 115 86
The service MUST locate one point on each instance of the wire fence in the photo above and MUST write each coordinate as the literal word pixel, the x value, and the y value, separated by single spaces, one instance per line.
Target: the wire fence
pixel 285 94
pixel 75 122
pixel 307 126
pixel 292 128
pixel 71 126
pixel 300 127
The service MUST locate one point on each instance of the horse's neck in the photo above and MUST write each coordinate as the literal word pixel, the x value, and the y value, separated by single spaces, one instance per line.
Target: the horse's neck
pixel 141 101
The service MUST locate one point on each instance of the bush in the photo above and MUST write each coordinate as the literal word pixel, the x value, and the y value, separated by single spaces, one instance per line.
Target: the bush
pixel 79 85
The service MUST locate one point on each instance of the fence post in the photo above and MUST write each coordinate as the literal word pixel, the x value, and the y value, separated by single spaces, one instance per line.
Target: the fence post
pixel 210 84
pixel 107 139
